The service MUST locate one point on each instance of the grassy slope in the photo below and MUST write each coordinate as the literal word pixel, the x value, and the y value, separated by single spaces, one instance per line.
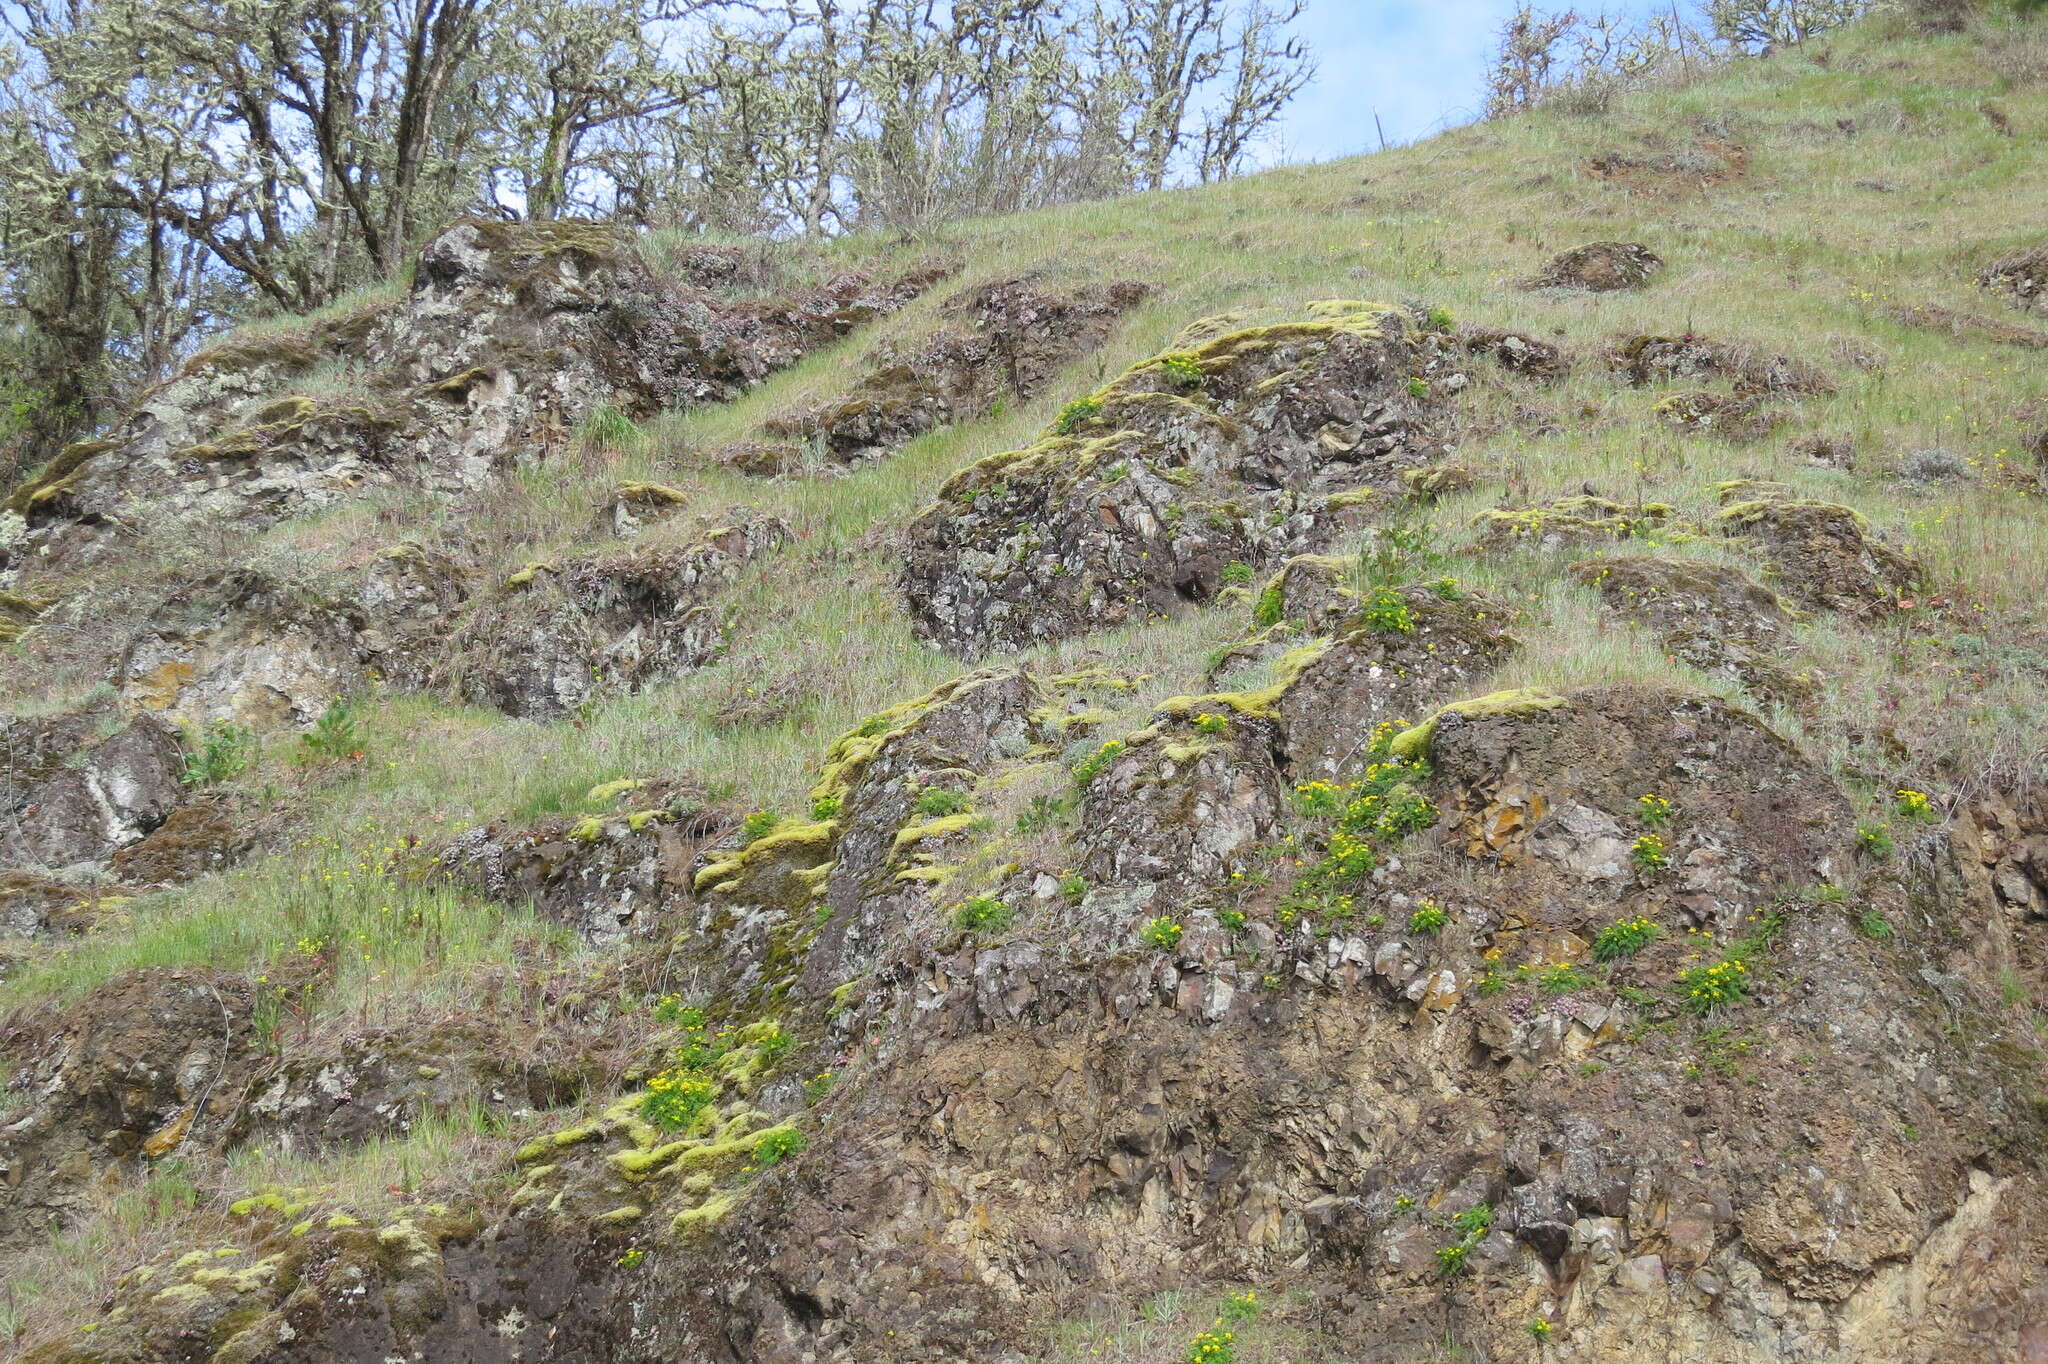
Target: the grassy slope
pixel 1800 255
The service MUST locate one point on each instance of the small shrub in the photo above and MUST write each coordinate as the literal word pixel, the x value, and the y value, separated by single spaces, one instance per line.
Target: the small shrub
pixel 1875 839
pixel 1181 370
pixel 1875 925
pixel 773 1046
pixel 334 734
pixel 1233 919
pixel 1538 1328
pixel 1404 811
pixel 1239 1308
pixel 1162 932
pixel 1448 588
pixel 1387 612
pixel 1450 1259
pixel 1911 804
pixel 1403 1203
pixel 1210 723
pixel 1092 766
pixel 1437 319
pixel 824 808
pixel 1624 938
pixel 938 801
pixel 778 1146
pixel 1349 856
pixel 982 914
pixel 224 752
pixel 1269 608
pixel 1654 811
pixel 758 825
pixel 818 1086
pixel 1708 988
pixel 670 1011
pixel 1074 886
pixel 1236 573
pixel 1650 854
pixel 1418 388
pixel 1429 917
pixel 1076 414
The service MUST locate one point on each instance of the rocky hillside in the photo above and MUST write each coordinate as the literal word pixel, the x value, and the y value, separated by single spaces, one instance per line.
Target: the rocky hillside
pixel 1434 757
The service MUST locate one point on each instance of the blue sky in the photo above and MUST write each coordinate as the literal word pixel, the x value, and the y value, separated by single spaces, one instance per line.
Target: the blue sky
pixel 1420 63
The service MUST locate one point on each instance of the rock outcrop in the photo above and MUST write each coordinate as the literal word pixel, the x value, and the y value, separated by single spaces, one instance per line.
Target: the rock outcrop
pixel 556 634
pixel 1243 447
pixel 1008 338
pixel 511 334
pixel 1599 267
pixel 2021 277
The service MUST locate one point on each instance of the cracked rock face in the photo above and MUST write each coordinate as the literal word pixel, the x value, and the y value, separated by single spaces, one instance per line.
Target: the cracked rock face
pixel 1239 449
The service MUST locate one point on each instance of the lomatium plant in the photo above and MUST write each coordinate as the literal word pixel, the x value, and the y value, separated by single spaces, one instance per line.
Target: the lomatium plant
pixel 1911 804
pixel 1624 938
pixel 1708 988
pixel 1649 853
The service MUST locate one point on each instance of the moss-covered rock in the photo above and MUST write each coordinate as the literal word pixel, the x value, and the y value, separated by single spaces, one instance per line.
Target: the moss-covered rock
pixel 1646 359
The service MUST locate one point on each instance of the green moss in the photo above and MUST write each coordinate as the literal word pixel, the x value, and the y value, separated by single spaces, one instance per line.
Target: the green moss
pixel 911 835
pixel 620 1217
pixel 1414 743
pixel 797 841
pixel 1263 703
pixel 1788 510
pixel 702 1217
pixel 651 494
pixel 51 480
pixel 1583 516
pixel 610 791
pixel 525 576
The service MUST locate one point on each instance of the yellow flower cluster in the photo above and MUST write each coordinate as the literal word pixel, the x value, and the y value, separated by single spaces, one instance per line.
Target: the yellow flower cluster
pixel 1213 1347
pixel 1914 804
pixel 1709 987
